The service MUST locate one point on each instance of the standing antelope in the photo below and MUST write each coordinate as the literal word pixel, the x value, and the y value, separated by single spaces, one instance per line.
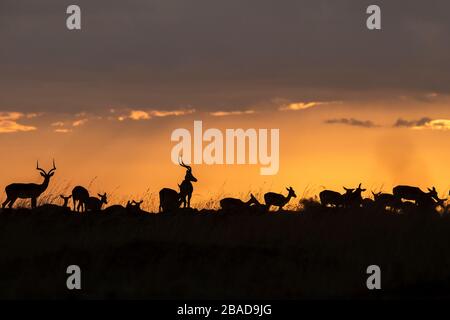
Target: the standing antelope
pixel 278 200
pixel 81 195
pixel 186 187
pixel 28 190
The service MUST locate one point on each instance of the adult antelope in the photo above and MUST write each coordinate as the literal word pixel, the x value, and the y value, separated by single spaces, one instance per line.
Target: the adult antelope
pixel 333 198
pixel 278 200
pixel 28 190
pixel 383 200
pixel 169 200
pixel 229 204
pixel 81 195
pixel 353 197
pixel 186 187
pixel 415 194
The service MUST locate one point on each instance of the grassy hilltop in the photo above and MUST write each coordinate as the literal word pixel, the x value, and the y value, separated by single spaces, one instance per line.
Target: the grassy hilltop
pixel 313 253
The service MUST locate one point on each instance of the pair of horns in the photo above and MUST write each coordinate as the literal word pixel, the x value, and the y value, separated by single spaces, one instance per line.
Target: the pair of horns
pixel 43 171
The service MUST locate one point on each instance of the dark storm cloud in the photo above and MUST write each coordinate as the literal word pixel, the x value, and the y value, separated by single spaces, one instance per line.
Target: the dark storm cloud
pixel 216 54
pixel 352 122
pixel 412 123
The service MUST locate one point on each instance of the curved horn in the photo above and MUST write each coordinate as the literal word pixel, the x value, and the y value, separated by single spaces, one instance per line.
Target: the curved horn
pixel 54 167
pixel 183 164
pixel 40 169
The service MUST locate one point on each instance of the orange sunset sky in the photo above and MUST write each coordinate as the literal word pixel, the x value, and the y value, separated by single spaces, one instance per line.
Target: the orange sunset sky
pixel 352 105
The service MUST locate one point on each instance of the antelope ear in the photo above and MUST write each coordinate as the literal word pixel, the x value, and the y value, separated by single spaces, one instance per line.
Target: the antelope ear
pixel 51 174
pixel 99 194
pixel 363 189
pixel 42 174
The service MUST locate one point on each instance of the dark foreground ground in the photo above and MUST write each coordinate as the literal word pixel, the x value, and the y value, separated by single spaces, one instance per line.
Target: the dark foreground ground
pixel 314 254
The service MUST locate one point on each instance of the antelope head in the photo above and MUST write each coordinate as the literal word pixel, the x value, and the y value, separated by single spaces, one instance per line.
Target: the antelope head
pixel 291 192
pixel 433 193
pixel 44 174
pixel 103 198
pixel 189 176
pixel 376 195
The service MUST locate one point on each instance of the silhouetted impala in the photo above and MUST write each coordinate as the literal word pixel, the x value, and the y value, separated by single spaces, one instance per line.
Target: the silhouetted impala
pixel 415 194
pixel 186 187
pixel 95 204
pixel 353 197
pixel 229 204
pixel 278 200
pixel 66 200
pixel 169 200
pixel 28 190
pixel 81 195
pixel 334 198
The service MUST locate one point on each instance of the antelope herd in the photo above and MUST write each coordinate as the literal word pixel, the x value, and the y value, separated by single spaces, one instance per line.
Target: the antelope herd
pixel 401 198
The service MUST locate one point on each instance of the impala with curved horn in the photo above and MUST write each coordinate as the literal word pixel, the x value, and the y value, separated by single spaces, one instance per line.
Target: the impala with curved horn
pixel 186 187
pixel 28 190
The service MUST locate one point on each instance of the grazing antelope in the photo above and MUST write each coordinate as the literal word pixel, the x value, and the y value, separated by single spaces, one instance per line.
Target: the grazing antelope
pixel 333 198
pixel 384 200
pixel 81 195
pixel 186 187
pixel 415 194
pixel 229 204
pixel 353 197
pixel 95 204
pixel 278 200
pixel 66 200
pixel 169 200
pixel 28 190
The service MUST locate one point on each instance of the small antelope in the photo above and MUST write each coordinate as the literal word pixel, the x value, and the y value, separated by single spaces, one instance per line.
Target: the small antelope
pixel 95 204
pixel 66 200
pixel 186 187
pixel 28 190
pixel 169 200
pixel 278 200
pixel 81 195
pixel 229 204
pixel 134 207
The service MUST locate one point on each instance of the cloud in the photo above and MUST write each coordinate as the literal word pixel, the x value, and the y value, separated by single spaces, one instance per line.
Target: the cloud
pixel 411 123
pixel 9 124
pixel 352 122
pixel 79 123
pixel 62 130
pixel 137 115
pixel 231 113
pixel 296 106
pixel 57 124
pixel 424 123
